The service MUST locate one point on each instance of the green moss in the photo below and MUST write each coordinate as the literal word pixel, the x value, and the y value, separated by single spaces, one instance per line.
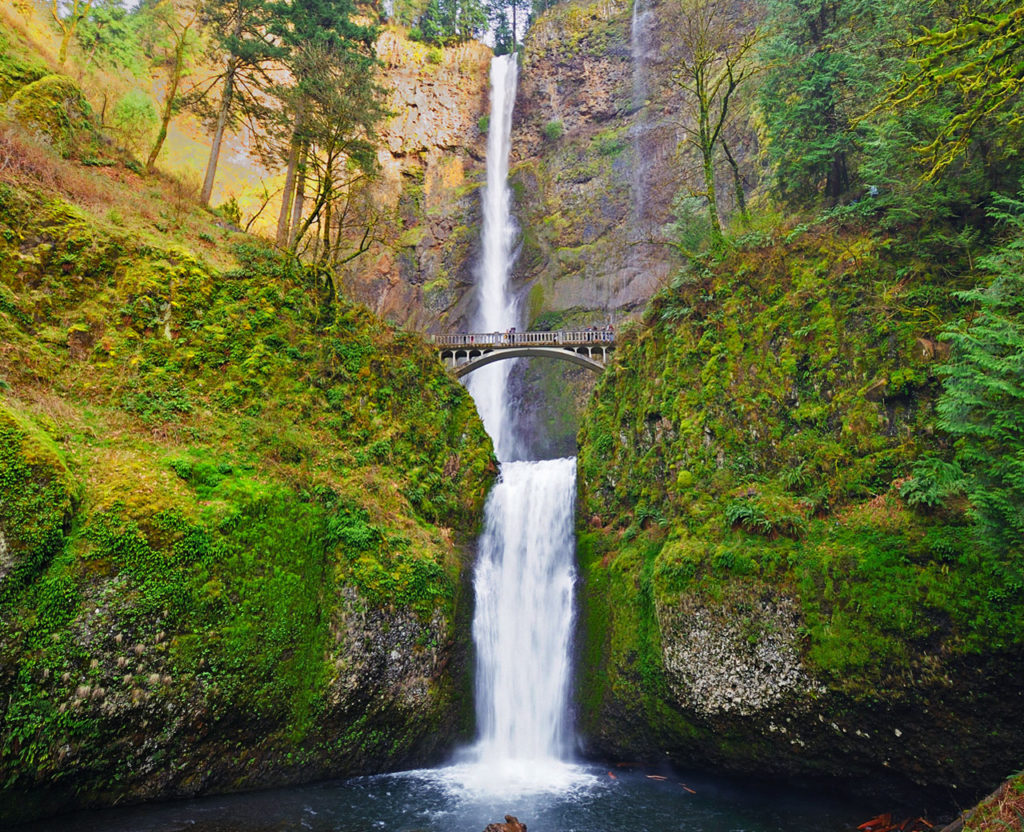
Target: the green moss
pixel 18 66
pixel 37 501
pixel 54 107
pixel 263 467
pixel 744 417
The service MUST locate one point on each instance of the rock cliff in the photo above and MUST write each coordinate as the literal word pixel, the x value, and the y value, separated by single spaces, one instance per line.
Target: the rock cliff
pixel 425 207
pixel 759 594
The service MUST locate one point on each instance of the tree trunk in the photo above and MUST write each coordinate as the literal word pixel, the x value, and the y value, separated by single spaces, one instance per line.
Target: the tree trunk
pixel 284 216
pixel 838 180
pixel 737 183
pixel 327 230
pixel 65 40
pixel 300 198
pixel 218 132
pixel 172 94
pixel 707 152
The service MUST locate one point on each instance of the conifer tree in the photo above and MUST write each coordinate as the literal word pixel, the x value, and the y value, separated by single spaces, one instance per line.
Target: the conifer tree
pixel 804 97
pixel 322 40
pixel 983 402
pixel 239 37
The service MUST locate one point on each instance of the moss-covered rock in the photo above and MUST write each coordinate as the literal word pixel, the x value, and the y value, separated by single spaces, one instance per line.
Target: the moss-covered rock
pixel 38 502
pixel 55 109
pixel 18 66
pixel 262 582
pixel 758 595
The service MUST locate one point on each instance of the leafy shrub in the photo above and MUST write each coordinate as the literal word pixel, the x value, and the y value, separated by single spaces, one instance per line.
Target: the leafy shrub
pixel 134 120
pixel 553 130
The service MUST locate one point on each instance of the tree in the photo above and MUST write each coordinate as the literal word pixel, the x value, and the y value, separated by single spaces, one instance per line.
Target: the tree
pixel 804 97
pixel 447 22
pixel 108 37
pixel 321 38
pixel 982 405
pixel 978 58
pixel 343 107
pixel 68 14
pixel 504 39
pixel 134 119
pixel 717 61
pixel 506 16
pixel 239 38
pixel 174 42
pixel 340 153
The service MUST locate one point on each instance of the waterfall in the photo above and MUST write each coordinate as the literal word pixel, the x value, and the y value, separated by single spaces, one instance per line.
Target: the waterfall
pixel 638 46
pixel 524 612
pixel 496 308
pixel 637 49
pixel 525 571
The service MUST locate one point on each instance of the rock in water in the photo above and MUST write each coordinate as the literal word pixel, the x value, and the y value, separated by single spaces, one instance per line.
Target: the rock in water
pixel 511 824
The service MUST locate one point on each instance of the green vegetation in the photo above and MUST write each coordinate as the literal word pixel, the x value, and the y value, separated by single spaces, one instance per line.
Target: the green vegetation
pixel 827 410
pixel 449 22
pixel 219 487
pixel 553 130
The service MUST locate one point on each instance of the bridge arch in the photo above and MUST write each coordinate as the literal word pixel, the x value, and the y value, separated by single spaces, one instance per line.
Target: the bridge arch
pixel 474 359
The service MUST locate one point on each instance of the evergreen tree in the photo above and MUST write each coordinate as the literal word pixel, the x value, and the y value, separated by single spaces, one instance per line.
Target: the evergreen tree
pixel 322 40
pixel 804 97
pixel 983 402
pixel 238 38
pixel 108 37
pixel 447 22
pixel 504 40
pixel 508 18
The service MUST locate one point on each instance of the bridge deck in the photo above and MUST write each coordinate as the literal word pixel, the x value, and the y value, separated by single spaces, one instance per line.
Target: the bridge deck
pixel 498 340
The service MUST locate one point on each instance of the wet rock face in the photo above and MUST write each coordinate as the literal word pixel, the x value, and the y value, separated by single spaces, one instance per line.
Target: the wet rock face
pixel 601 154
pixel 376 649
pixel 386 701
pixel 579 182
pixel 720 660
pixel 423 209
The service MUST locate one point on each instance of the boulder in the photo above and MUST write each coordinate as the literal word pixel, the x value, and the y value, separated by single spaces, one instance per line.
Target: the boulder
pixel 511 824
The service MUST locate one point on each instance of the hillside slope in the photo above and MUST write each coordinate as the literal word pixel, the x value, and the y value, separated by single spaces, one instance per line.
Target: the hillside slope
pixel 234 508
pixel 761 593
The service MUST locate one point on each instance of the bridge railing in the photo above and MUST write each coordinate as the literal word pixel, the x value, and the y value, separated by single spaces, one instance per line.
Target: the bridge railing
pixel 583 337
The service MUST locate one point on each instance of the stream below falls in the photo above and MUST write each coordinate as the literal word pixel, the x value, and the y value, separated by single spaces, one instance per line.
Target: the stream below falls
pixel 579 798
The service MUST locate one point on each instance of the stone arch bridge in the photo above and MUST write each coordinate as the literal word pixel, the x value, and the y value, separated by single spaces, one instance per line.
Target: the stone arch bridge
pixel 465 352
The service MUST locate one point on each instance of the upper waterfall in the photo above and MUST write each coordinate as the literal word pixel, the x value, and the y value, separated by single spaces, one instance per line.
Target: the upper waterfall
pixel 496 307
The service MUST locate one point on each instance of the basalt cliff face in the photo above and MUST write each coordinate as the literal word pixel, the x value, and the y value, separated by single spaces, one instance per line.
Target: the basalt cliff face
pixel 423 211
pixel 601 156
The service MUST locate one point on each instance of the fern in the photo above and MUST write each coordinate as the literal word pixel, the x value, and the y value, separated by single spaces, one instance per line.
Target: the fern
pixel 983 401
